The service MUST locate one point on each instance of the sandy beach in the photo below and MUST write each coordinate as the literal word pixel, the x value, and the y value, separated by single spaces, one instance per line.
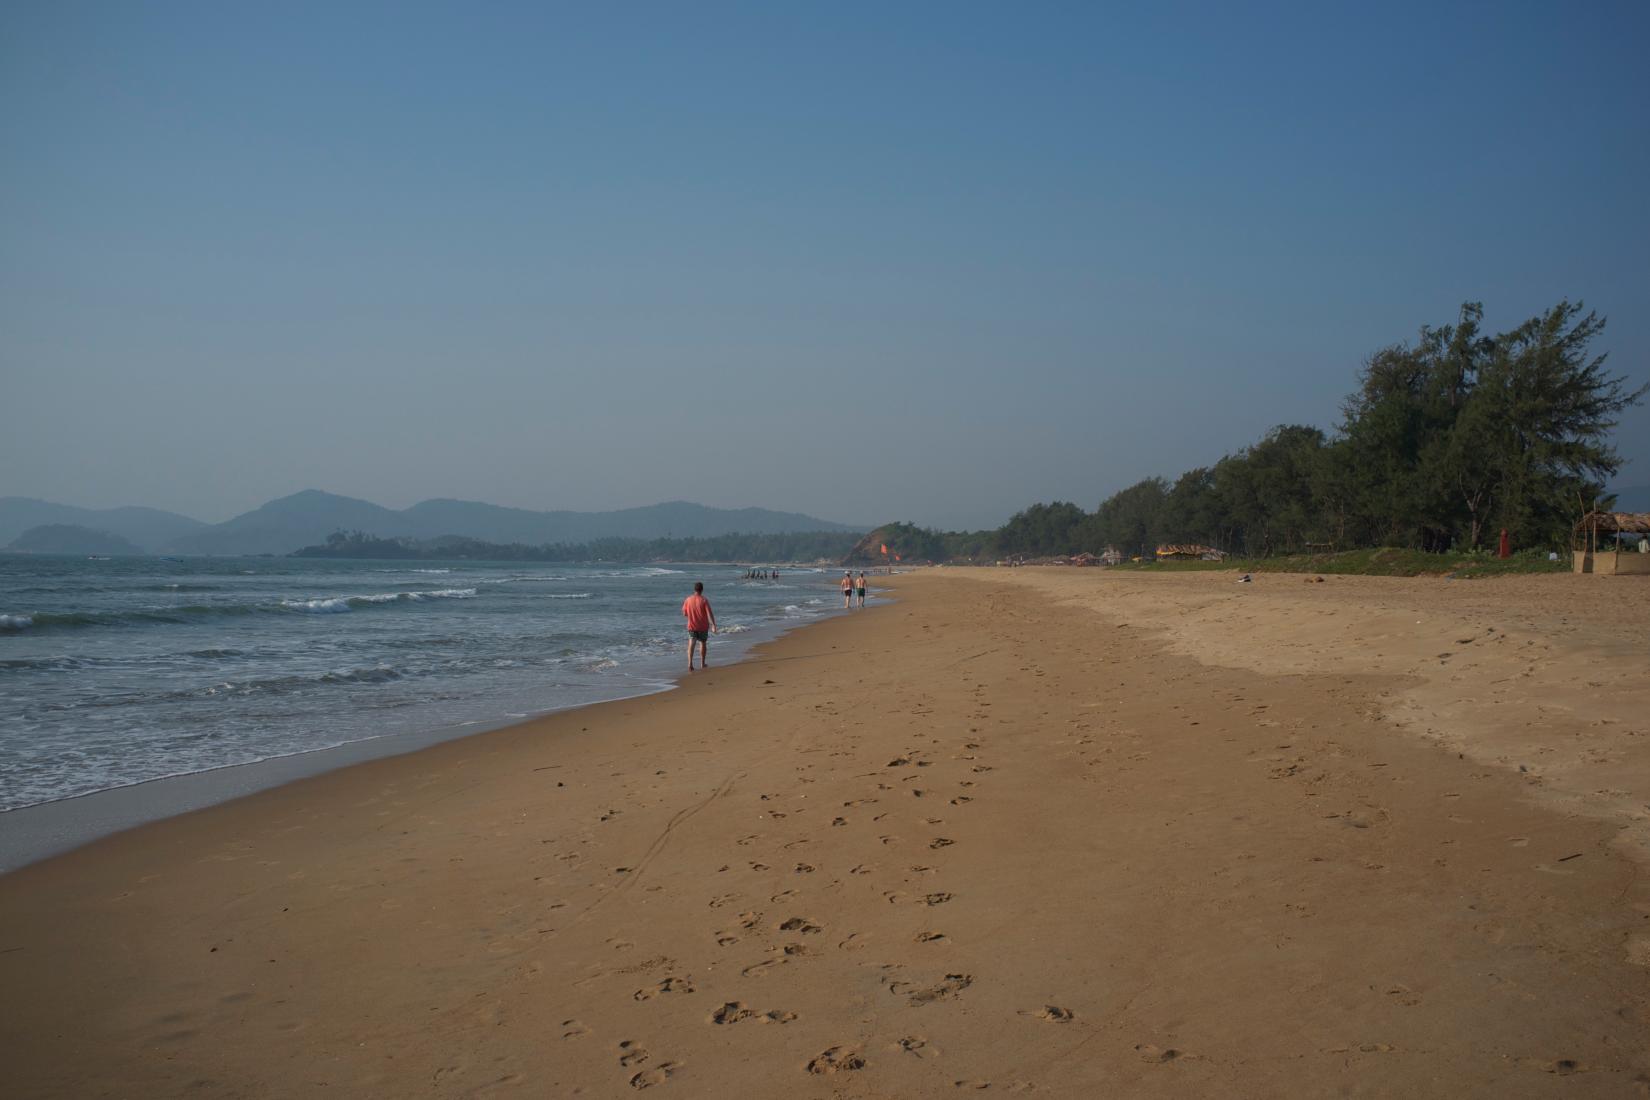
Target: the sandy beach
pixel 1065 832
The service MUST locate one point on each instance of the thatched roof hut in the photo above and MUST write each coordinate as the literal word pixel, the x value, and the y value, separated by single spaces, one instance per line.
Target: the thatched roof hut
pixel 1599 547
pixel 1613 523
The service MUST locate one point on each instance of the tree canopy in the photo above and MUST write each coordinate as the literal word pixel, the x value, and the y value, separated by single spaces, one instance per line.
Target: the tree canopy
pixel 1444 441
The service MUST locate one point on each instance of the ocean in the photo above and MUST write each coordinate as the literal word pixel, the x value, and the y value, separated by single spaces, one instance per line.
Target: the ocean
pixel 121 671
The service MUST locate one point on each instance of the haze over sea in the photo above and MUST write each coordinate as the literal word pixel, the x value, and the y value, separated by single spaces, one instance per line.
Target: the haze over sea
pixel 114 672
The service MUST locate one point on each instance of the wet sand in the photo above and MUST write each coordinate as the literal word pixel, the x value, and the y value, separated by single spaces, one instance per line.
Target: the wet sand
pixel 1063 832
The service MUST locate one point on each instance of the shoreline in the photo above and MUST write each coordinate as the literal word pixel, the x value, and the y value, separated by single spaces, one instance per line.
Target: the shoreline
pixel 43 830
pixel 984 837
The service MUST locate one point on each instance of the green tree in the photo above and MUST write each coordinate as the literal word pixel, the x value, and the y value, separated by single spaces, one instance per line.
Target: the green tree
pixel 1131 519
pixel 1042 530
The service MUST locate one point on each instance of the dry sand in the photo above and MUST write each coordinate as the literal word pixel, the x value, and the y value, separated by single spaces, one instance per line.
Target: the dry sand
pixel 1064 832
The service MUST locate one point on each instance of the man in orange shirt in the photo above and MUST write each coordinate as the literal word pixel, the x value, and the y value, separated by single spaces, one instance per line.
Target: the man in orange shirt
pixel 701 624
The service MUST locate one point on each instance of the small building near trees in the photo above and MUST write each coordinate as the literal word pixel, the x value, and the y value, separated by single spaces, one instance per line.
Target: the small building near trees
pixel 1612 543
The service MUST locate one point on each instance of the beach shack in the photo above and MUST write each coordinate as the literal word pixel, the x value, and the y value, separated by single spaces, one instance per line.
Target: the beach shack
pixel 1111 555
pixel 1188 552
pixel 1613 543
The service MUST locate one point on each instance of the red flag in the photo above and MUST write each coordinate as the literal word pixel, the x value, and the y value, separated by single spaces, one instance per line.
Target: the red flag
pixel 885 549
pixel 896 557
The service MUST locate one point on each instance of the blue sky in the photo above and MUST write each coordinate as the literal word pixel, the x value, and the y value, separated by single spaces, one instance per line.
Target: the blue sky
pixel 921 261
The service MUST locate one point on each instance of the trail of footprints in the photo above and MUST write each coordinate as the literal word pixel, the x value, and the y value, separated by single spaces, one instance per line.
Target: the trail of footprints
pixel 645 1072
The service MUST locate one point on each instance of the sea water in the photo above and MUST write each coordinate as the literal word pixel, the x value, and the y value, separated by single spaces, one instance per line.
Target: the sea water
pixel 118 671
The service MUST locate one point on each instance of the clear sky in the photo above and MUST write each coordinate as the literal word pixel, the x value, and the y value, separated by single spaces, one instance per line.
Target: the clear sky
pixel 870 261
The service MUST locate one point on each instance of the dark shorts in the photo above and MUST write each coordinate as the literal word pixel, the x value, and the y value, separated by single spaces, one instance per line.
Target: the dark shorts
pixel 699 635
pixel 860 592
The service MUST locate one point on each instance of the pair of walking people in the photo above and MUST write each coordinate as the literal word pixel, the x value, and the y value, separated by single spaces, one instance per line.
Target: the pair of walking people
pixel 853 587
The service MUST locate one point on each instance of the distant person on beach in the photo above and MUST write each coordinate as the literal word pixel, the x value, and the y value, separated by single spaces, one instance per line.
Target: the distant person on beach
pixel 847 590
pixel 859 588
pixel 701 624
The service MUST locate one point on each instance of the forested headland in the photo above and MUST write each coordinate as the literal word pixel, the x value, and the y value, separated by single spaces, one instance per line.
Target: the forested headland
pixel 1443 443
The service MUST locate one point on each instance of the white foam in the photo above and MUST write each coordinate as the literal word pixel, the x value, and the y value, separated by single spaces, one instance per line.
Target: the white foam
pixel 736 628
pixel 16 622
pixel 562 596
pixel 336 604
pixel 333 606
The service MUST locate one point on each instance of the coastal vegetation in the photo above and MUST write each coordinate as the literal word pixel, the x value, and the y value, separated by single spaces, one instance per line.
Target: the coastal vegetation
pixel 1444 443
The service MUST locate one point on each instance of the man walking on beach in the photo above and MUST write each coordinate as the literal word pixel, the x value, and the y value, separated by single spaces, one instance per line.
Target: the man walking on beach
pixel 701 624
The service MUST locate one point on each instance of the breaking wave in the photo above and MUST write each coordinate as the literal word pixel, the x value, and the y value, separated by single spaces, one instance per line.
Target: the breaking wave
pixel 41 620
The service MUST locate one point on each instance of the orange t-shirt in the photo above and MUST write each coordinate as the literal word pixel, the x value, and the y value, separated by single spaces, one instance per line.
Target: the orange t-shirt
pixel 697 610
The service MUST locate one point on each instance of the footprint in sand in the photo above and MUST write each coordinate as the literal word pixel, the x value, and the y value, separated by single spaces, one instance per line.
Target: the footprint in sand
pixel 735 1012
pixel 574 1029
pixel 961 799
pixel 836 1060
pixel 668 985
pixel 1161 1055
pixel 952 985
pixel 658 1075
pixel 731 1013
pixel 631 1054
pixel 937 899
pixel 800 924
pixel 918 1047
pixel 1054 1014
pixel 1563 1067
pixel 941 842
pixel 930 937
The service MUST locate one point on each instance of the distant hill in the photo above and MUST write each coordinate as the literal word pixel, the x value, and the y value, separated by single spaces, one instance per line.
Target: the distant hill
pixel 1632 498
pixel 148 528
pixel 69 538
pixel 284 525
pixel 307 518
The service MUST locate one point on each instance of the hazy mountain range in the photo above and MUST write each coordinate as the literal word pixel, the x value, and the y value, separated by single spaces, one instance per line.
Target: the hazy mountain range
pixel 307 518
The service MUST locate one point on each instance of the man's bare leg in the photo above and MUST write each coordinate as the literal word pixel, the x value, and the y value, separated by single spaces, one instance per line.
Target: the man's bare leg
pixel 691 644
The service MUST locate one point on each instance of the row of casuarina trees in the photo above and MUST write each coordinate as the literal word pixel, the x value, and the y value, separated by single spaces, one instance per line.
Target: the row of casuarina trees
pixel 1445 442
